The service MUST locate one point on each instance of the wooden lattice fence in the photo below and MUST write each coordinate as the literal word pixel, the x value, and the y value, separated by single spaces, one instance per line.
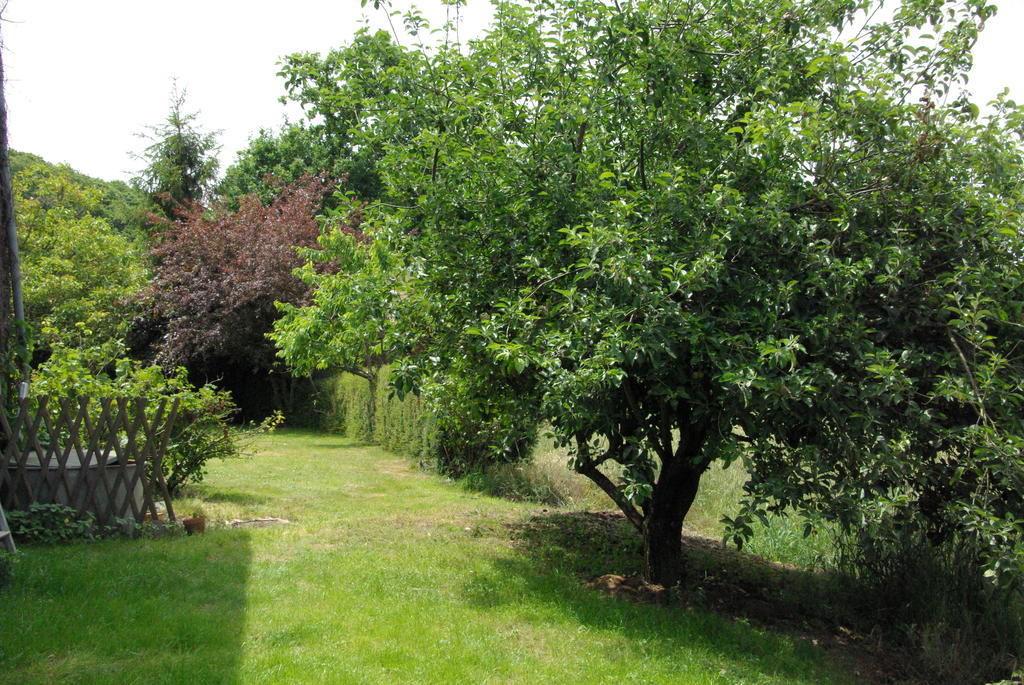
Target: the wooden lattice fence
pixel 102 457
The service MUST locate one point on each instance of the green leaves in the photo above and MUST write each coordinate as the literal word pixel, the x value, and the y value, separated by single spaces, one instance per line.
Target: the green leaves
pixel 181 160
pixel 653 232
pixel 79 272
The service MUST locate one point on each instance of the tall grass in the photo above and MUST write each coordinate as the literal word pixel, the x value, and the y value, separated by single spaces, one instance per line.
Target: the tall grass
pixel 547 479
pixel 965 626
pixel 782 539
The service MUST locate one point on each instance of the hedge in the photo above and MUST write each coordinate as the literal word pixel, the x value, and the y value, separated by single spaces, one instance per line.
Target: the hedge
pixel 402 426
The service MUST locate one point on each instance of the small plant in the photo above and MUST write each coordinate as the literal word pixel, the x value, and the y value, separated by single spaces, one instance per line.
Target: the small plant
pixel 56 523
pixel 133 530
pixel 50 523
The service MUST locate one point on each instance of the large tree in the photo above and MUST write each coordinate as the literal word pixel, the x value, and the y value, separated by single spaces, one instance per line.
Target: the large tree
pixel 345 327
pixel 219 274
pixel 272 159
pixel 80 273
pixel 340 92
pixel 697 231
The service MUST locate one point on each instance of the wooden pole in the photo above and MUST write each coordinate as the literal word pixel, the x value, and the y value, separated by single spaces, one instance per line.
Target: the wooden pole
pixel 12 329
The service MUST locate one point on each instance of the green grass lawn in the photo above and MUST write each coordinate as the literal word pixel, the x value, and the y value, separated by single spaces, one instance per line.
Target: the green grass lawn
pixel 385 575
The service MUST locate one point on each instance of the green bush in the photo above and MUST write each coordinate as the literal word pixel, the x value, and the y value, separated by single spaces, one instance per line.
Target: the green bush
pixel 202 429
pixel 201 432
pixel 967 627
pixel 57 523
pixel 50 524
pixel 440 427
pixel 401 425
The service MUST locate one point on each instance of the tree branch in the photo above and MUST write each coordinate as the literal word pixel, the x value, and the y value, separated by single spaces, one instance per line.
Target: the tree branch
pixel 643 172
pixel 665 451
pixel 602 481
pixel 578 149
pixel 970 377
pixel 587 466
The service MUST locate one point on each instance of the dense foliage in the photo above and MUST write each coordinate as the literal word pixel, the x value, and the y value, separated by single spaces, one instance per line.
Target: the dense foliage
pixel 219 273
pixel 202 429
pixel 275 159
pixel 682 232
pixel 347 88
pixel 347 324
pixel 125 208
pixel 49 524
pixel 79 272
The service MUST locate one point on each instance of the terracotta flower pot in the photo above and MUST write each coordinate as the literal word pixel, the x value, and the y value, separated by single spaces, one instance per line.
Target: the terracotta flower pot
pixel 194 525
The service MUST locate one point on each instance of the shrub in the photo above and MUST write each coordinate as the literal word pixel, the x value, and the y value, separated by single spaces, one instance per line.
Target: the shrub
pixel 440 427
pixel 402 425
pixel 201 430
pixel 58 523
pixel 966 626
pixel 50 524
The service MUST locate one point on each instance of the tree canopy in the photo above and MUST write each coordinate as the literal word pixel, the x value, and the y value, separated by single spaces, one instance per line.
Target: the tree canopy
pixel 346 89
pixel 80 273
pixel 125 208
pixel 272 159
pixel 219 273
pixel 682 232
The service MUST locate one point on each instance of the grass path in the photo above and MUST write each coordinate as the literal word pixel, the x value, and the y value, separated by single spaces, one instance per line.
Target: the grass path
pixel 385 575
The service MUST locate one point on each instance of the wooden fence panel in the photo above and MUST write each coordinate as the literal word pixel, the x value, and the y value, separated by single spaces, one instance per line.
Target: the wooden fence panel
pixel 102 457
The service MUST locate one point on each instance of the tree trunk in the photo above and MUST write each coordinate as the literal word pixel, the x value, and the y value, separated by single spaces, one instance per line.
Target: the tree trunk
pixel 371 406
pixel 8 373
pixel 276 393
pixel 671 499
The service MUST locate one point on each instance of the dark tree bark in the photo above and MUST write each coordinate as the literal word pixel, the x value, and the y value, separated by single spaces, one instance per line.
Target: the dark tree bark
pixel 370 374
pixel 663 526
pixel 8 365
pixel 683 462
pixel 371 405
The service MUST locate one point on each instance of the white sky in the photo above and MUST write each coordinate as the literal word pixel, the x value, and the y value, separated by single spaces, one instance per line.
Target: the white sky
pixel 84 77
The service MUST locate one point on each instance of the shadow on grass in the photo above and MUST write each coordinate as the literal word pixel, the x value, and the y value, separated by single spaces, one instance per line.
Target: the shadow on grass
pixel 165 610
pixel 228 497
pixel 347 446
pixel 725 591
pixel 589 544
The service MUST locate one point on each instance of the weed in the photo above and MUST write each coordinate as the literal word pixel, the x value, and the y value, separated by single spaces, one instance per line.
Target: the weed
pixel 50 523
pixel 58 523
